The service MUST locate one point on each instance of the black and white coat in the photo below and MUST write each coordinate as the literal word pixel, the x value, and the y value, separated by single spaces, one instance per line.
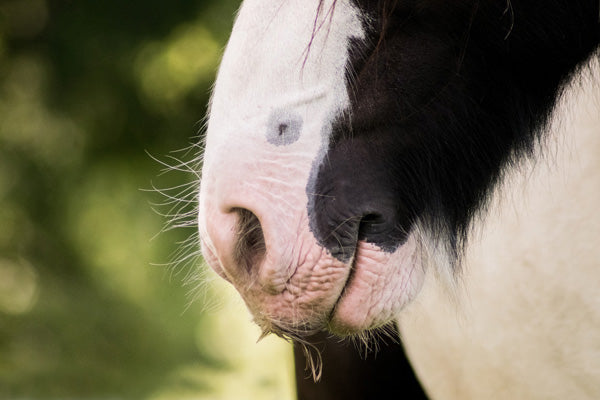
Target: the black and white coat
pixel 430 162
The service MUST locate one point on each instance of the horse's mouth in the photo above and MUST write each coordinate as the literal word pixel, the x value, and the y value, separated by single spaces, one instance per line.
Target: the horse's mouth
pixel 322 292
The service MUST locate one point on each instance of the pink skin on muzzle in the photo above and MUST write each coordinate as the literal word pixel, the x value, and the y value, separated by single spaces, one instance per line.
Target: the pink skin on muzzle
pixel 295 284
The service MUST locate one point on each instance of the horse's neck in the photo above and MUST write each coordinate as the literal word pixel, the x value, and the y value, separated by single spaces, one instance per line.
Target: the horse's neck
pixel 527 320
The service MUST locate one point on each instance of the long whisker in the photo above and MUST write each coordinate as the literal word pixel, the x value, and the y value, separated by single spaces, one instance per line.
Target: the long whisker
pixel 178 205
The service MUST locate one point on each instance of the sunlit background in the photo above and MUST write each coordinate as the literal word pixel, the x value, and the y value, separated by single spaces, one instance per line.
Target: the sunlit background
pixel 91 94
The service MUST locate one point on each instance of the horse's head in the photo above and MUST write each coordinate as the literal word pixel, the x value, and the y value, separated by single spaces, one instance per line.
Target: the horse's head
pixel 349 142
pixel 294 208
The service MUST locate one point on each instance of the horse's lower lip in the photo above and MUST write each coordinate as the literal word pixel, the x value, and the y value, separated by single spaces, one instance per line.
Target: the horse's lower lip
pixel 380 284
pixel 347 284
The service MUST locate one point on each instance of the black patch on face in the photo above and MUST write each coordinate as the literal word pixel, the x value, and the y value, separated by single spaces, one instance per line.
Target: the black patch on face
pixel 283 127
pixel 444 96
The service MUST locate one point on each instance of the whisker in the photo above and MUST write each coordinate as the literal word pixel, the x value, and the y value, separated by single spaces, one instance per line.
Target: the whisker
pixel 178 205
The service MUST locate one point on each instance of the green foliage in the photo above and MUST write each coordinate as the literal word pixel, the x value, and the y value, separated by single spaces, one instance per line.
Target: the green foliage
pixel 86 89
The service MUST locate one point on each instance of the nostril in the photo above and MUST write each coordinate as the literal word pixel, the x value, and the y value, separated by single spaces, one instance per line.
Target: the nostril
pixel 384 229
pixel 370 224
pixel 250 247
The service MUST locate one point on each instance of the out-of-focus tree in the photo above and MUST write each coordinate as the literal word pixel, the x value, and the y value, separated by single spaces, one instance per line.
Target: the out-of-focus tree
pixel 87 89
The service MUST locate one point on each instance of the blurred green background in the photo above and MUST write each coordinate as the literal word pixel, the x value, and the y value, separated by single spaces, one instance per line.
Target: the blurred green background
pixel 91 92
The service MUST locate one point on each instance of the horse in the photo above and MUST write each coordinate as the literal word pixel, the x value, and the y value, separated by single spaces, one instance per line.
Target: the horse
pixel 430 164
